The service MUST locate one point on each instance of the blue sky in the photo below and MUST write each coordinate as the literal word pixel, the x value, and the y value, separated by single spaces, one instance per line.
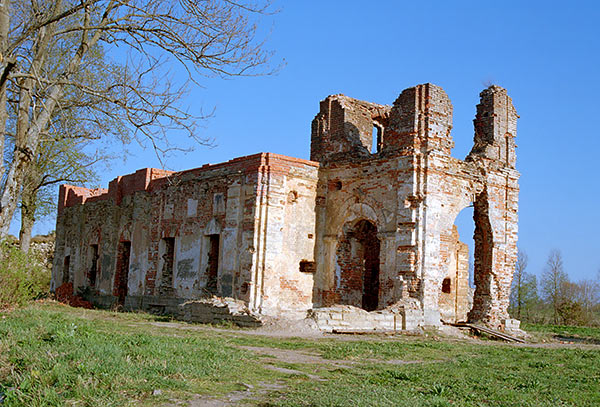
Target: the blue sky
pixel 547 54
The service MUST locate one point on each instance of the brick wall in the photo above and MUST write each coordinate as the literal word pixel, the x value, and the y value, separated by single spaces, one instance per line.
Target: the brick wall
pixel 412 190
pixel 290 233
pixel 259 207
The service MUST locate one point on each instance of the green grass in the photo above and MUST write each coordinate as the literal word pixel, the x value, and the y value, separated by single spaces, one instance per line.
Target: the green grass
pixel 53 354
pixel 56 355
pixel 477 375
pixel 585 333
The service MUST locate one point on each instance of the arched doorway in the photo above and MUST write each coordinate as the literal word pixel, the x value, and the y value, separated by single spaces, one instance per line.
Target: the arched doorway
pixel 358 265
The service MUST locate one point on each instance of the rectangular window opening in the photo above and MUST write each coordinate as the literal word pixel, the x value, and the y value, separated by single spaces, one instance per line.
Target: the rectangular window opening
pixel 376 140
pixel 66 266
pixel 168 259
pixel 213 263
pixel 122 276
pixel 94 266
pixel 307 266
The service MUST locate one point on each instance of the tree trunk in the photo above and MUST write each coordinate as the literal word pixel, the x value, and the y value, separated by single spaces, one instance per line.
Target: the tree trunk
pixel 4 64
pixel 27 141
pixel 28 209
pixel 27 222
pixel 11 191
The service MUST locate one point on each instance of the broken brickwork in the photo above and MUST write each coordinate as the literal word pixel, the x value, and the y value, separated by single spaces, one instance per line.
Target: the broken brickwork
pixel 367 223
pixel 226 229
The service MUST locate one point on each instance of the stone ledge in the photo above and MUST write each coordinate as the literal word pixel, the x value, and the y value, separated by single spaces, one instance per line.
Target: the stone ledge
pixel 344 317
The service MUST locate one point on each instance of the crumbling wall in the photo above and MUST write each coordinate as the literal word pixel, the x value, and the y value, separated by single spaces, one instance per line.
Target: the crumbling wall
pixel 349 193
pixel 285 236
pixel 215 230
pixel 412 190
pixel 343 129
pixel 368 223
pixel 455 296
pixel 496 207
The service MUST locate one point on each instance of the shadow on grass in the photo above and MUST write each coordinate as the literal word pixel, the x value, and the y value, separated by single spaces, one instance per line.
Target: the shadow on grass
pixel 576 339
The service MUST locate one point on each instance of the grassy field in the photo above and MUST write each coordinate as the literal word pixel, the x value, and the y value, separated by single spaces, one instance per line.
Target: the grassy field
pixel 583 334
pixel 55 355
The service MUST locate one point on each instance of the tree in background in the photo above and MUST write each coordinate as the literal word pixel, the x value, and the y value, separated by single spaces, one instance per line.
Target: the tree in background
pixel 578 302
pixel 553 282
pixel 58 160
pixel 523 294
pixel 47 48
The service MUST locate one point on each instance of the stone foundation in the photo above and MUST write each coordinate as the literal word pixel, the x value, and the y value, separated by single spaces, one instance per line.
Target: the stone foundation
pixel 207 310
pixel 350 318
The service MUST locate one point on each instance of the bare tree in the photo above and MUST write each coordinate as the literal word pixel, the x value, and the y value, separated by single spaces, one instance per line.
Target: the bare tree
pixel 47 48
pixel 524 287
pixel 553 282
pixel 578 302
pixel 518 280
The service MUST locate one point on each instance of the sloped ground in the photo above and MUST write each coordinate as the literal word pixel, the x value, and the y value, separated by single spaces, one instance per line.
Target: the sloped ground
pixel 55 355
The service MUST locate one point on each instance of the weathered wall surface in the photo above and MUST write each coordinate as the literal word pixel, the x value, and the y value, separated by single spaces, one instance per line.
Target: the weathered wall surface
pixel 368 223
pixel 411 190
pixel 455 296
pixel 496 207
pixel 214 230
pixel 286 219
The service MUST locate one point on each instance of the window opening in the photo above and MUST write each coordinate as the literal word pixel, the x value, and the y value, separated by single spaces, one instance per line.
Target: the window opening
pixel 446 285
pixel 94 266
pixel 66 266
pixel 168 245
pixel 376 139
pixel 307 266
pixel 122 275
pixel 213 263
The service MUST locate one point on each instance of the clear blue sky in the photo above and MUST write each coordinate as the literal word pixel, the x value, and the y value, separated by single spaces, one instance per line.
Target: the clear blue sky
pixel 547 54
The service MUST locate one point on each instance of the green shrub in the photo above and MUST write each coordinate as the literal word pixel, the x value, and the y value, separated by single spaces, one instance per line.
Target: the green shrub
pixel 22 276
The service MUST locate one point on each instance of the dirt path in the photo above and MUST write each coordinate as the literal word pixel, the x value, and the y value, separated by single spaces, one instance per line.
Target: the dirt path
pixel 271 357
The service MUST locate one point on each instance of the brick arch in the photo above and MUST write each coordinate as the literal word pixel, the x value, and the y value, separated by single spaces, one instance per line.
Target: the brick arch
pixel 126 234
pixel 354 211
pixel 470 192
pixel 213 227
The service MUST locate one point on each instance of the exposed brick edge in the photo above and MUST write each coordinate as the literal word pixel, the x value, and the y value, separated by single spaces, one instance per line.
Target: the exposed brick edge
pixel 147 179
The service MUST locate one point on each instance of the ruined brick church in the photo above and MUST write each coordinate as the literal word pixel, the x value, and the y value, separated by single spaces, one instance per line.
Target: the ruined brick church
pixel 367 222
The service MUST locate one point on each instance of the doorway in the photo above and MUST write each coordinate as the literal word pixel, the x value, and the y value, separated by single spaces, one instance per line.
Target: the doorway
pixel 357 271
pixel 366 234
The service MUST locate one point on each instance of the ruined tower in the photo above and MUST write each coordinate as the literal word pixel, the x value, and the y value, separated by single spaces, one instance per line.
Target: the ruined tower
pixel 410 189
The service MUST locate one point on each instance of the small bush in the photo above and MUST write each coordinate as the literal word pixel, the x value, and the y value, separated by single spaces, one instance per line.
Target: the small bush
pixel 22 276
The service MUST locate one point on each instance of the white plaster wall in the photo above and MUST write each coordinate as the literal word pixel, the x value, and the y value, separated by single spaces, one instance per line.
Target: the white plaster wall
pixel 289 238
